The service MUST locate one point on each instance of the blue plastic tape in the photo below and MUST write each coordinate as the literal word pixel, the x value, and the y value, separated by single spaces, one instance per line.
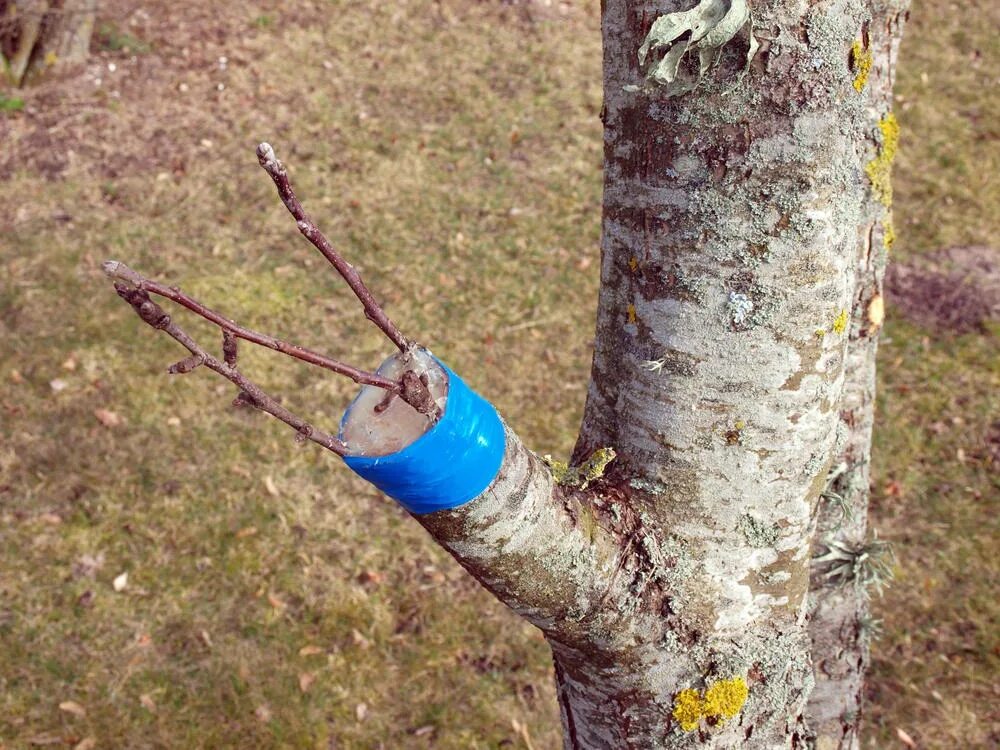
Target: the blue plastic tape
pixel 447 466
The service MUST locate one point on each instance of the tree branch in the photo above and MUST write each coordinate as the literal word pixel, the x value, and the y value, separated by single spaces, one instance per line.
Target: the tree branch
pixel 250 393
pixel 122 272
pixel 373 311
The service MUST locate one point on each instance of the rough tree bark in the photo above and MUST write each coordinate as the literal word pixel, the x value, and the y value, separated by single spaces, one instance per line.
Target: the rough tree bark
pixel 707 544
pixel 36 35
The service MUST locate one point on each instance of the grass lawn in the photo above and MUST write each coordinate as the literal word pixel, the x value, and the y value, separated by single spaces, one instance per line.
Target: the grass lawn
pixel 452 150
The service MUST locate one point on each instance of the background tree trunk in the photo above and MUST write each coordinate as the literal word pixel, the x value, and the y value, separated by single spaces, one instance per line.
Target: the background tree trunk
pixel 36 35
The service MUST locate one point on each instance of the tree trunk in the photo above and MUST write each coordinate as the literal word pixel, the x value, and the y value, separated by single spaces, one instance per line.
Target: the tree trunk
pixel 39 35
pixel 841 625
pixel 732 381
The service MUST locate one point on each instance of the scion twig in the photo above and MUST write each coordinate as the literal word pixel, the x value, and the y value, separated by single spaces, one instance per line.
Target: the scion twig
pixel 231 331
pixel 250 393
pixel 136 290
pixel 373 311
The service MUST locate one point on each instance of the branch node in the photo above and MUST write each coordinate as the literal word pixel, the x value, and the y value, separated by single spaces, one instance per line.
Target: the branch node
pixel 244 399
pixel 414 391
pixel 304 433
pixel 230 348
pixel 186 365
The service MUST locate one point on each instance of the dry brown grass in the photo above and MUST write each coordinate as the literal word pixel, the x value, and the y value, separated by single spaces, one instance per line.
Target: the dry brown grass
pixel 453 150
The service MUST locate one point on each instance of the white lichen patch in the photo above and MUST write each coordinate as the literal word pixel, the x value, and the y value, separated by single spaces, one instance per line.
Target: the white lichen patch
pixel 739 308
pixel 706 28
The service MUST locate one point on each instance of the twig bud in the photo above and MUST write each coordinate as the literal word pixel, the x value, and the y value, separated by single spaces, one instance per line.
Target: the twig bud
pixel 244 399
pixel 229 348
pixel 117 270
pixel 267 158
pixel 185 365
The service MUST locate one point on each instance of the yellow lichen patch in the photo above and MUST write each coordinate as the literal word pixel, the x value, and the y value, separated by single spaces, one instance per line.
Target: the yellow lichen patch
pixel 560 469
pixel 840 322
pixel 631 314
pixel 593 468
pixel 725 698
pixel 721 701
pixel 861 64
pixel 582 475
pixel 687 709
pixel 888 233
pixel 633 263
pixel 879 169
pixel 876 311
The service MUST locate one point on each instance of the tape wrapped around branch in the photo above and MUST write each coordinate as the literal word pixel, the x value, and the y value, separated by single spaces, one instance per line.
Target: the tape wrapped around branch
pixel 450 464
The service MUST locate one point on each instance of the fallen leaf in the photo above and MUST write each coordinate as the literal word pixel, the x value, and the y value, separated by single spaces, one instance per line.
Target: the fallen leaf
pixel 263 712
pixel 370 576
pixel 107 418
pixel 306 679
pixel 58 384
pixel 905 738
pixel 310 651
pixel 245 532
pixel 174 421
pixel 421 731
pixel 16 377
pixel 87 743
pixel 206 638
pixel 70 363
pixel 359 640
pixel 147 702
pixel 276 602
pixel 270 486
pixel 361 711
pixel 120 582
pixel 72 707
pixel 50 518
pixel 893 489
pixel 46 739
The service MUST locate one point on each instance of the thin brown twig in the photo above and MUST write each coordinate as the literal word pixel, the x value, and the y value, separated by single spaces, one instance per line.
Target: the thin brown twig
pixel 122 272
pixel 373 311
pixel 250 393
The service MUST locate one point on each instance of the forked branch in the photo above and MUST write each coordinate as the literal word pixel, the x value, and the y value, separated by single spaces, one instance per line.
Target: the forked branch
pixel 122 272
pixel 250 393
pixel 136 289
